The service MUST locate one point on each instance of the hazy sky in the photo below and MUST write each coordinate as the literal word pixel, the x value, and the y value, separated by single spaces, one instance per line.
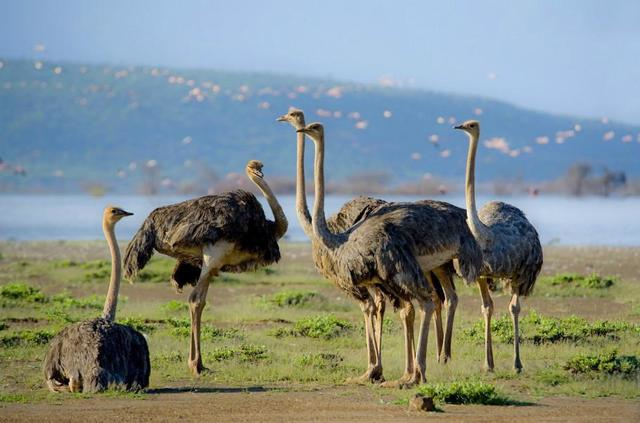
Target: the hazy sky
pixel 575 57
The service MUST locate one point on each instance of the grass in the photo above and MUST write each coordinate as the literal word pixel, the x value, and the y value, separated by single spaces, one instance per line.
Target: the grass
pixel 325 327
pixel 304 333
pixel 465 392
pixel 540 329
pixel 608 362
pixel 576 285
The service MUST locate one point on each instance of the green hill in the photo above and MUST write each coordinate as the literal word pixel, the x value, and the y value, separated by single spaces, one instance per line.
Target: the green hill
pixel 72 125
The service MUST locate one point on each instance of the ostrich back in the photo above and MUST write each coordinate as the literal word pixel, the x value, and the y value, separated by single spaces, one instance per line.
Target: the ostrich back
pixel 181 230
pixel 100 354
pixel 515 253
pixel 383 245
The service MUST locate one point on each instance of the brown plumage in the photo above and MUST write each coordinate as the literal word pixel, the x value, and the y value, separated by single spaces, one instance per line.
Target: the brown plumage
pixel 98 354
pixel 388 250
pixel 510 245
pixel 226 232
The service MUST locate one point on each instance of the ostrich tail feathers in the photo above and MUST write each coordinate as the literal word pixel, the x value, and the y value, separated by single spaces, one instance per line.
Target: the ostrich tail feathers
pixel 139 250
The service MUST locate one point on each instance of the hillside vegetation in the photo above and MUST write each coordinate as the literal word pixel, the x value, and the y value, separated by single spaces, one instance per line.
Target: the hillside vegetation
pixel 71 126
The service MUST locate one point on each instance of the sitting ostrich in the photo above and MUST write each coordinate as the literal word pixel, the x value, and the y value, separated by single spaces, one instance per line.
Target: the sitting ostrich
pixel 510 245
pixel 225 232
pixel 354 211
pixel 96 354
pixel 387 251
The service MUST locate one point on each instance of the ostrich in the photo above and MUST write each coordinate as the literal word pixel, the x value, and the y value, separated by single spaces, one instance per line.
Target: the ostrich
pixel 388 250
pixel 510 245
pixel 226 232
pixel 348 215
pixel 96 354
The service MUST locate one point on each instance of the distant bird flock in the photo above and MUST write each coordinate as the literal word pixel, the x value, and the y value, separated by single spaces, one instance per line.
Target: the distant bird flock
pixel 376 252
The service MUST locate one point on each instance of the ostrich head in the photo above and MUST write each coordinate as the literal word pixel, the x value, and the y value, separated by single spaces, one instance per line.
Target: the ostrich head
pixel 314 130
pixel 471 127
pixel 113 214
pixel 295 117
pixel 254 169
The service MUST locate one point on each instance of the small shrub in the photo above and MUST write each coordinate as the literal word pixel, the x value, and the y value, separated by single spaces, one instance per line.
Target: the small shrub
pixel 325 327
pixel 61 264
pixel 19 291
pixel 465 392
pixel 592 281
pixel 3 326
pixel 100 275
pixel 29 337
pixel 175 306
pixel 65 300
pixel 138 324
pixel 551 377
pixel 150 275
pixel 96 264
pixel 206 332
pixel 320 360
pixel 540 329
pixel 292 298
pixel 244 353
pixel 608 362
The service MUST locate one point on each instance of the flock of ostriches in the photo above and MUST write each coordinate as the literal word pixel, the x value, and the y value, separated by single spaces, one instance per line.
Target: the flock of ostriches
pixel 375 251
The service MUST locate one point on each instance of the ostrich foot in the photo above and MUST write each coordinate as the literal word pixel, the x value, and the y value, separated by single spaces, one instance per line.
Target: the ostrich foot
pixel 414 380
pixel 197 369
pixel 372 375
pixel 444 359
pixel 397 383
pixel 517 367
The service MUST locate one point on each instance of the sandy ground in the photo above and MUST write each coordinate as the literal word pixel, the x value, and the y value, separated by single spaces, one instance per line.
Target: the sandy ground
pixel 345 404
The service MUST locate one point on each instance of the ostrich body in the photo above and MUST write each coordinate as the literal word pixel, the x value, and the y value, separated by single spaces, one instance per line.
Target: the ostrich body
pixel 353 211
pixel 510 245
pixel 96 354
pixel 387 251
pixel 226 232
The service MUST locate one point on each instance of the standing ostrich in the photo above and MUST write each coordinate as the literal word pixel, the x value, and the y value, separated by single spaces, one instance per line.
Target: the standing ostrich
pixel 388 251
pixel 353 211
pixel 226 232
pixel 510 245
pixel 96 354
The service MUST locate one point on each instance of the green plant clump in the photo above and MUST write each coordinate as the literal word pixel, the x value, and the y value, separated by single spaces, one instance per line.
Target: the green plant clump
pixel 27 337
pixel 138 324
pixel 324 327
pixel 174 306
pixel 320 360
pixel 292 298
pixel 464 392
pixel 608 362
pixel 592 281
pixel 19 291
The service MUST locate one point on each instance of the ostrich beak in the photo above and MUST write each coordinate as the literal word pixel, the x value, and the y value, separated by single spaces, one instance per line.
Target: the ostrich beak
pixel 126 213
pixel 282 118
pixel 302 130
pixel 458 127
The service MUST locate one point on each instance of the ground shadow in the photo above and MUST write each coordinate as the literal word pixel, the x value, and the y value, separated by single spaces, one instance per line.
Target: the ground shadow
pixel 208 390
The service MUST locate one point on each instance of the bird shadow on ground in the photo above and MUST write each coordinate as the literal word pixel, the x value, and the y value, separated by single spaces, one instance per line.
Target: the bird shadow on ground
pixel 208 390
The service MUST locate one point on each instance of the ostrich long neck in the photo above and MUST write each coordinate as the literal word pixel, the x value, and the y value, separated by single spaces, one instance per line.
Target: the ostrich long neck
pixel 281 220
pixel 110 304
pixel 320 229
pixel 302 210
pixel 478 229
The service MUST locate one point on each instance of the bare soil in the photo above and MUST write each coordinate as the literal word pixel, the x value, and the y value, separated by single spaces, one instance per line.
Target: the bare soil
pixel 345 404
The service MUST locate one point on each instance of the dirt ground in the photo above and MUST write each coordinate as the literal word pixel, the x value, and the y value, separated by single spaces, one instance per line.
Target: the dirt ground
pixel 344 404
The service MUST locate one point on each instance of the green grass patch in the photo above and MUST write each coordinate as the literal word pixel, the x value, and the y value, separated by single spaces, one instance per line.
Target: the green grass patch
pixel 21 292
pixel 540 329
pixel 320 360
pixel 28 337
pixel 206 332
pixel 174 306
pixel 65 300
pixel 291 298
pixel 465 392
pixel 139 324
pixel 14 398
pixel 323 327
pixel 244 353
pixel 608 362
pixel 592 281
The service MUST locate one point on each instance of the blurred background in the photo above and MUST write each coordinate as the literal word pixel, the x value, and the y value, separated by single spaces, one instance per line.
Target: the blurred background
pixel 149 102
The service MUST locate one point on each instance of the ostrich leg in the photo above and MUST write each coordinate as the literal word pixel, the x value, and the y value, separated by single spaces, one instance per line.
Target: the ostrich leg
pixel 426 311
pixel 514 309
pixel 487 311
pixel 380 304
pixel 212 260
pixel 407 315
pixel 451 302
pixel 374 369
pixel 437 319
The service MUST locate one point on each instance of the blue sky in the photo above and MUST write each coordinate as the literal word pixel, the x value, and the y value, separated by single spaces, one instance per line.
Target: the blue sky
pixel 571 57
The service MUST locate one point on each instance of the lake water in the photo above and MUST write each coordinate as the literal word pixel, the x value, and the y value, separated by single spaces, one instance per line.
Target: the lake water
pixel 559 220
